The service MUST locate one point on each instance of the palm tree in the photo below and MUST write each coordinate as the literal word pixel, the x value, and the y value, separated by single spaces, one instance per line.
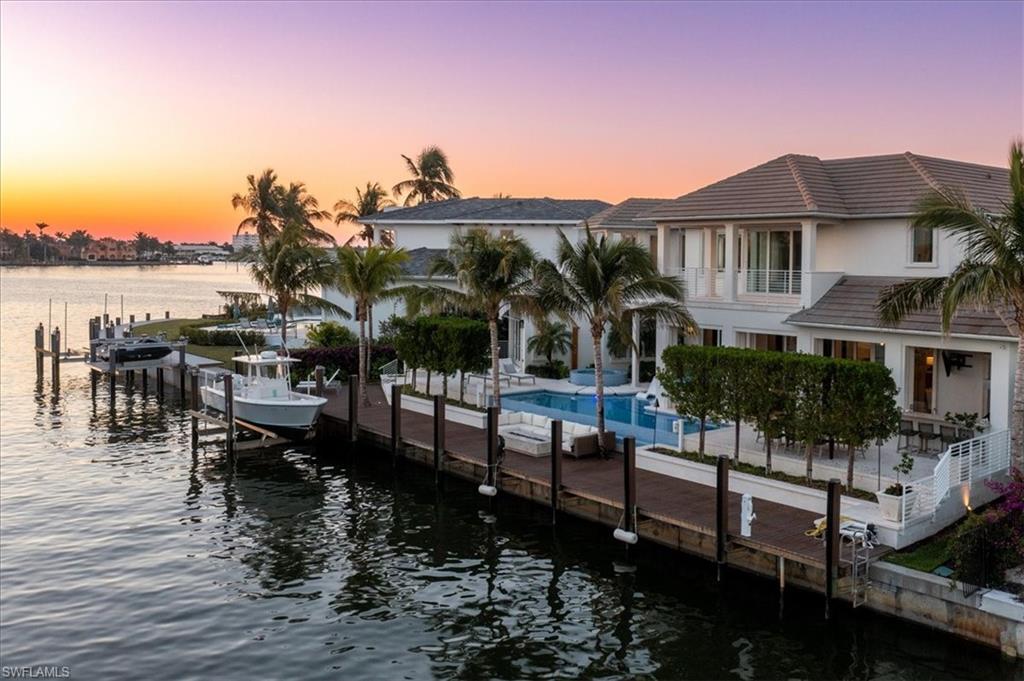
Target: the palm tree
pixel 287 266
pixel 492 272
pixel 61 236
pixel 261 202
pixel 371 201
pixel 78 240
pixel 990 275
pixel 299 206
pixel 551 338
pixel 41 226
pixel 598 281
pixel 431 179
pixel 367 275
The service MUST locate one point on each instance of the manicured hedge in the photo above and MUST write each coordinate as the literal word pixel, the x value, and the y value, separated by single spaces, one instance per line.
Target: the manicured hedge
pixel 346 359
pixel 443 345
pixel 223 337
pixel 804 398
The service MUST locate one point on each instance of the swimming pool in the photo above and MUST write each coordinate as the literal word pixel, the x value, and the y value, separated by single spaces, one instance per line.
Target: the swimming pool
pixel 623 414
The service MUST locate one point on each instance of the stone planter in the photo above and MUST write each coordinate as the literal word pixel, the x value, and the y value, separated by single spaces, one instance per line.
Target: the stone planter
pixel 889 505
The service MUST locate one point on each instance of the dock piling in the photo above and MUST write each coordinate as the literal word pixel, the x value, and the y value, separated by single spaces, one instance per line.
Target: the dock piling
pixel 722 514
pixel 145 382
pixel 39 351
pixel 55 355
pixel 489 488
pixel 229 412
pixel 182 368
pixel 556 467
pixel 835 488
pixel 627 533
pixel 167 314
pixel 318 372
pixel 160 383
pixel 353 409
pixel 439 416
pixel 396 420
pixel 147 317
pixel 131 319
pixel 194 404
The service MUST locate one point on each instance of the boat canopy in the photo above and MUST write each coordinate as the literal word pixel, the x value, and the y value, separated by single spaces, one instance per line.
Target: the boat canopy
pixel 265 358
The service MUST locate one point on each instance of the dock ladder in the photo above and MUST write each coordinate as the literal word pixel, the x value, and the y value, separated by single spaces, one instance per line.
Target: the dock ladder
pixel 858 540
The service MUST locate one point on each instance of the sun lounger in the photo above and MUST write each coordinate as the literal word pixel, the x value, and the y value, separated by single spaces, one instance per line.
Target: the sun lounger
pixel 310 383
pixel 508 369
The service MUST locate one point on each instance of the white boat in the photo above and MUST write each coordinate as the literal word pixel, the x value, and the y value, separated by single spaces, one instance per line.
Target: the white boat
pixel 264 396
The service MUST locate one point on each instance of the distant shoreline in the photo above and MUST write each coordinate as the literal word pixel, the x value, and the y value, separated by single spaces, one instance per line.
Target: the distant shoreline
pixel 107 263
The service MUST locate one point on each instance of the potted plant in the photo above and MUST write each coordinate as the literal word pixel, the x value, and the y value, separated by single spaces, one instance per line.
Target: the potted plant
pixel 966 421
pixel 889 499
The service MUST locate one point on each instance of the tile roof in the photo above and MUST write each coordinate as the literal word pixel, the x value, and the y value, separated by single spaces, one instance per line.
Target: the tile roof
pixel 478 210
pixel 796 185
pixel 851 303
pixel 625 214
pixel 420 259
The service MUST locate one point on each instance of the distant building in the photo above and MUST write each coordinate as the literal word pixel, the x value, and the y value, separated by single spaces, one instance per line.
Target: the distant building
pixel 107 249
pixel 196 250
pixel 243 241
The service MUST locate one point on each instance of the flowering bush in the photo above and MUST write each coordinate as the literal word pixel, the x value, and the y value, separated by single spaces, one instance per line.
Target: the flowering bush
pixel 345 358
pixel 988 544
pixel 1009 512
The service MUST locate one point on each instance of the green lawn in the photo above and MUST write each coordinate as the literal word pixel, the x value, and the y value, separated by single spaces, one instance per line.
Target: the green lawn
pixel 925 555
pixel 172 327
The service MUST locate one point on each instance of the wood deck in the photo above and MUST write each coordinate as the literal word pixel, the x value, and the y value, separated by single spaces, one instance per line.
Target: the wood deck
pixel 778 530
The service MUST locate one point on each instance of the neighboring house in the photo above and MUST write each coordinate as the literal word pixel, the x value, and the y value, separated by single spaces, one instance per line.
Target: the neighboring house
pixel 108 249
pixel 205 252
pixel 791 256
pixel 425 231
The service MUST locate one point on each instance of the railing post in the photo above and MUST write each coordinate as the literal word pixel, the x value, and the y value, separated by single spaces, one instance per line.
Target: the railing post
pixel 353 409
pixel 722 514
pixel 556 467
pixel 832 515
pixel 396 420
pixel 439 444
pixel 194 405
pixel 318 372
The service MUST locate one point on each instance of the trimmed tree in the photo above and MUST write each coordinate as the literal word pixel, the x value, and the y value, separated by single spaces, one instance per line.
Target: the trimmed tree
pixel 692 380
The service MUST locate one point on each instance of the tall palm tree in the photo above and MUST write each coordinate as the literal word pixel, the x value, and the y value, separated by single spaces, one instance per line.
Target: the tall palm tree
pixel 431 180
pixel 990 275
pixel 41 226
pixel 78 240
pixel 62 237
pixel 261 202
pixel 370 201
pixel 287 266
pixel 493 273
pixel 299 206
pixel 597 281
pixel 551 337
pixel 367 275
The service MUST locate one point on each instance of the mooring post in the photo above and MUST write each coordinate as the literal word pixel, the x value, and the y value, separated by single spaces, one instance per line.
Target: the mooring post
pixel 112 368
pixel 131 319
pixel 145 381
pixel 229 412
pixel 396 419
pixel 129 379
pixel 55 354
pixel 629 480
pixel 106 319
pixel 353 409
pixel 39 350
pixel 182 368
pixel 318 372
pixel 148 317
pixel 556 467
pixel 110 330
pixel 439 415
pixel 490 486
pixel 835 488
pixel 167 314
pixel 722 514
pixel 160 383
pixel 194 405
pixel 117 321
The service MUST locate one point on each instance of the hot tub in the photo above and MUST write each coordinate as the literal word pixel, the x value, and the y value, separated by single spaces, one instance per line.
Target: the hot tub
pixel 587 377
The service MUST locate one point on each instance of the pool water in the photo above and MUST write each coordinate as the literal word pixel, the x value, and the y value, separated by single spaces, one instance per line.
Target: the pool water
pixel 623 414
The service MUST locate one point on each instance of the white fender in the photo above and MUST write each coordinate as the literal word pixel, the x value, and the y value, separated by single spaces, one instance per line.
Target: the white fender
pixel 487 490
pixel 624 536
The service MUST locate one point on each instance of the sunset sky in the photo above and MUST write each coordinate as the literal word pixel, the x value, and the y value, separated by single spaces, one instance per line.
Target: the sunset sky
pixel 119 117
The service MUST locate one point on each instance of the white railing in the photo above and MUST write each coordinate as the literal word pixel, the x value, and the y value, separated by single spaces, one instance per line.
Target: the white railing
pixel 701 282
pixel 769 282
pixel 389 373
pixel 965 462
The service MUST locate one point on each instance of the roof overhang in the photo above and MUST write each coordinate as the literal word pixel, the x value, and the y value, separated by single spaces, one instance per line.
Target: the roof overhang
pixel 467 221
pixel 909 332
pixel 779 216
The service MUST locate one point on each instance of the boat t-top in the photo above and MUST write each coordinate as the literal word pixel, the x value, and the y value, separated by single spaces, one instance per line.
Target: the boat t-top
pixel 264 395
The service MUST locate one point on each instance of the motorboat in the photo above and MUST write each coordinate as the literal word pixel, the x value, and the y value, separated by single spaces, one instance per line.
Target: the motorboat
pixel 264 395
pixel 134 353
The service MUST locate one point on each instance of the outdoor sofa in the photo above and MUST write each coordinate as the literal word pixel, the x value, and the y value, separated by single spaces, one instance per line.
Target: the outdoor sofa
pixel 531 435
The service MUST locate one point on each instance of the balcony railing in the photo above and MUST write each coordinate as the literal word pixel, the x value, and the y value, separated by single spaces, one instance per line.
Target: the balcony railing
pixel 769 282
pixel 701 282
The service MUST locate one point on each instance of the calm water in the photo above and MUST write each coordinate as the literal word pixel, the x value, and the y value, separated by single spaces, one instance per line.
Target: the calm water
pixel 123 555
pixel 624 413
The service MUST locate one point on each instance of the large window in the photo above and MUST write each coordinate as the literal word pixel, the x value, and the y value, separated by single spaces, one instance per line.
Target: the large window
pixel 923 380
pixel 773 261
pixel 711 337
pixel 922 245
pixel 766 341
pixel 841 349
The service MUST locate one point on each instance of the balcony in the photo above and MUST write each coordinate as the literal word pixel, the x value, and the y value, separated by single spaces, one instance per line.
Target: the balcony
pixel 701 282
pixel 775 287
pixel 769 282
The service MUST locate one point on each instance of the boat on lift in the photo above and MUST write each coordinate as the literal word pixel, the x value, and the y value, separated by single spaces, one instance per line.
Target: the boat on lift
pixel 263 396
pixel 134 353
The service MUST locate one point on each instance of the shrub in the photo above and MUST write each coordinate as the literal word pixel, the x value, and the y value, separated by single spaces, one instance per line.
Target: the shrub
pixel 346 359
pixel 222 337
pixel 558 370
pixel 331 335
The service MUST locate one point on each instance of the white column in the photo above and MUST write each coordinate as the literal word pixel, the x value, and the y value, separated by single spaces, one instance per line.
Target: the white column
pixel 707 257
pixel 808 246
pixel 730 262
pixel 663 260
pixel 1001 386
pixel 895 356
pixel 636 350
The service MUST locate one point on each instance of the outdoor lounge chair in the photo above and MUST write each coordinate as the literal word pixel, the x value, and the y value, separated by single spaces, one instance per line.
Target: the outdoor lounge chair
pixel 487 376
pixel 508 369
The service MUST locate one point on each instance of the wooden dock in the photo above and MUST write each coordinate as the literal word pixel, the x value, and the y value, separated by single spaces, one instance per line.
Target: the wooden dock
pixel 673 512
